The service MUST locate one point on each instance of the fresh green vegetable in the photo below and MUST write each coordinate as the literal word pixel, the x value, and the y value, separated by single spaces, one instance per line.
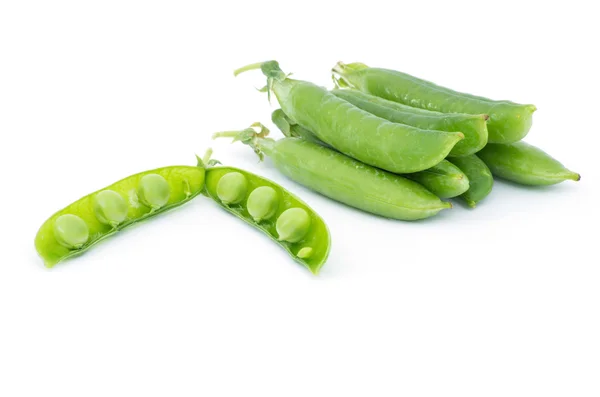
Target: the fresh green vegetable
pixel 232 188
pixel 79 226
pixel 523 163
pixel 275 211
pixel 509 122
pixel 480 178
pixel 443 179
pixel 342 178
pixel 473 126
pixel 375 141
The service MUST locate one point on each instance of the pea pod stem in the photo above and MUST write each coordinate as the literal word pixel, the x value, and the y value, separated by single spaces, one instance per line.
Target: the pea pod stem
pixel 252 66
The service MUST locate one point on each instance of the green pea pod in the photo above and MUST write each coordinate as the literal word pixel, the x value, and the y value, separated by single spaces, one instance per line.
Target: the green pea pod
pixel 480 178
pixel 354 132
pixel 275 211
pixel 97 216
pixel 443 179
pixel 342 178
pixel 473 126
pixel 509 122
pixel 523 163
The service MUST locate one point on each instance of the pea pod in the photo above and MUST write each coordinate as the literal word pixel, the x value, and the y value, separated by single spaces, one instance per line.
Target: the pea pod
pixel 443 179
pixel 78 227
pixel 342 178
pixel 523 163
pixel 509 122
pixel 480 178
pixel 473 126
pixel 354 132
pixel 272 209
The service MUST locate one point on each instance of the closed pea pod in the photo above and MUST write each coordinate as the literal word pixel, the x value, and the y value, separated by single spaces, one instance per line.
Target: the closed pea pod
pixel 276 212
pixel 509 122
pixel 353 131
pixel 443 179
pixel 480 177
pixel 97 216
pixel 526 164
pixel 473 126
pixel 342 178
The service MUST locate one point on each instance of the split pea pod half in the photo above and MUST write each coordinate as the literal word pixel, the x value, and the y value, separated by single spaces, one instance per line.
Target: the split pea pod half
pixel 474 126
pixel 275 211
pixel 509 122
pixel 523 163
pixel 480 177
pixel 97 216
pixel 356 133
pixel 342 178
pixel 444 179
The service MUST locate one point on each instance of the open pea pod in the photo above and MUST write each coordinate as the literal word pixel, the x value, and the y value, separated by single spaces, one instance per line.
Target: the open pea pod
pixel 270 208
pixel 78 227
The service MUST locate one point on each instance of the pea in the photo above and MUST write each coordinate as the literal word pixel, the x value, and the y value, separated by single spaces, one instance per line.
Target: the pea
pixel 293 224
pixel 299 230
pixel 444 179
pixel 474 126
pixel 305 252
pixel 262 203
pixel 342 178
pixel 394 147
pixel 480 178
pixel 110 207
pixel 88 217
pixel 71 231
pixel 232 188
pixel 508 121
pixel 526 164
pixel 153 191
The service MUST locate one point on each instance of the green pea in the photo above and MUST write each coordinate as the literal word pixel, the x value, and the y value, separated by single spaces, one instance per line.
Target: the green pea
pixel 119 205
pixel 342 178
pixel 526 164
pixel 292 225
pixel 110 207
pixel 474 126
pixel 394 147
pixel 508 121
pixel 71 231
pixel 262 203
pixel 232 188
pixel 480 178
pixel 154 191
pixel 260 209
pixel 305 252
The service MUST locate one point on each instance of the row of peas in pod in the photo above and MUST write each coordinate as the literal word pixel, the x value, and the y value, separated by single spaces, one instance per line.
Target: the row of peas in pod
pixel 279 214
pixel 395 145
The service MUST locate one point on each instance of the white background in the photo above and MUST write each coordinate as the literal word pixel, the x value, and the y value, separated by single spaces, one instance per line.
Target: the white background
pixel 502 300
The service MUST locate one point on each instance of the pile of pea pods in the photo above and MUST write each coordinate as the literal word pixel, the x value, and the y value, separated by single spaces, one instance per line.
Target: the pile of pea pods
pixel 382 141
